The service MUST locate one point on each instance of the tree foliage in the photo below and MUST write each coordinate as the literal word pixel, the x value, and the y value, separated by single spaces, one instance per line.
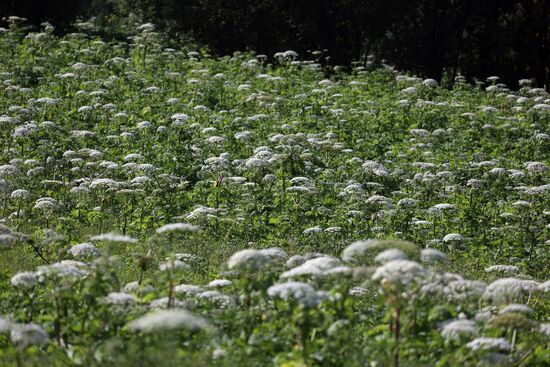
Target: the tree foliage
pixel 431 38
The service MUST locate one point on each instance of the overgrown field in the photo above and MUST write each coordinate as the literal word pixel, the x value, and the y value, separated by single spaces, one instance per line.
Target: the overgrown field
pixel 163 208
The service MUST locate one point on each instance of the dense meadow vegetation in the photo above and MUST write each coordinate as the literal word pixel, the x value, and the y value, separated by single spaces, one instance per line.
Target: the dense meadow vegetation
pixel 161 207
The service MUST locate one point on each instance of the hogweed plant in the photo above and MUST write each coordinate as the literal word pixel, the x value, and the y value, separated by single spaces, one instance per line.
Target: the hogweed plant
pixel 160 206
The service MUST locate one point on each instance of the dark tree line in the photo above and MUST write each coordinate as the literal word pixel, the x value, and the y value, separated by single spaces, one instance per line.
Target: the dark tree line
pixel 435 38
pixel 58 12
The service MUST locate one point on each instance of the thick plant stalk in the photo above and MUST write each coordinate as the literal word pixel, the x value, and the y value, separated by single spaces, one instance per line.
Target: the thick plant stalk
pixel 304 336
pixel 513 343
pixel 170 289
pixel 396 332
pixel 57 322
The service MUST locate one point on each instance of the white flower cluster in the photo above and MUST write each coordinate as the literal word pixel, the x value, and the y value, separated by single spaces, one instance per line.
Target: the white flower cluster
pixel 177 227
pixel 302 293
pixel 253 260
pixel 168 320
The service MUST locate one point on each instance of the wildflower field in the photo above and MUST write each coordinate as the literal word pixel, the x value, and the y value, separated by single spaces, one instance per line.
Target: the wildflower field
pixel 162 207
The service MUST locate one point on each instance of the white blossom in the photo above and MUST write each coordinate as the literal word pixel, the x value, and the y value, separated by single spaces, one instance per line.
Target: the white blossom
pixel 508 289
pixel 458 329
pixel 120 299
pixel 177 227
pixel 84 250
pixel 389 255
pixel 219 283
pixel 168 320
pixel 316 267
pixel 400 272
pixel 302 293
pixel 249 260
pixel 25 335
pixel 24 280
pixel 113 237
pixel 516 308
pixel 510 269
pixel 490 344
